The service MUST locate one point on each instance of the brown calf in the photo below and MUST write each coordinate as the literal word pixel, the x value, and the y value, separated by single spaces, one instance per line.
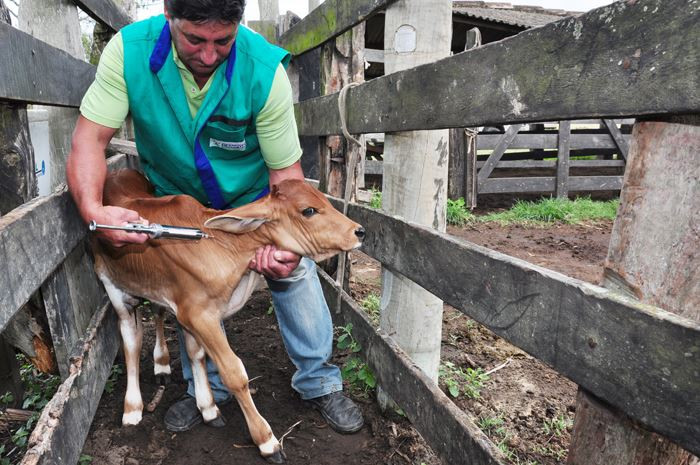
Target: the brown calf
pixel 206 281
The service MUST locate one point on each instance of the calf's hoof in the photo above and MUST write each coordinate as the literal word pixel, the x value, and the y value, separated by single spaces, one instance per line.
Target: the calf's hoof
pixel 163 379
pixel 277 457
pixel 132 418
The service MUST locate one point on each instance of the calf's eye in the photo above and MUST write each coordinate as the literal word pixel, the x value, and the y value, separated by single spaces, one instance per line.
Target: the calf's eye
pixel 309 212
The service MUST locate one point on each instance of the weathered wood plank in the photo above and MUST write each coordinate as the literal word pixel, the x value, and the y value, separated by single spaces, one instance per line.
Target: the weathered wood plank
pixel 71 294
pixel 620 140
pixel 548 184
pixel 375 167
pixel 624 59
pixel 563 159
pixel 106 12
pixel 450 431
pixel 550 141
pixel 34 239
pixel 595 183
pixel 65 421
pixel 613 346
pixel 35 72
pixel 503 143
pixel 512 185
pixel 26 255
pixel 328 21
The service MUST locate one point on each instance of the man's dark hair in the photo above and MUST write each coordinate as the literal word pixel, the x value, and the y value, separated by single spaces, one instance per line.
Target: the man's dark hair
pixel 206 10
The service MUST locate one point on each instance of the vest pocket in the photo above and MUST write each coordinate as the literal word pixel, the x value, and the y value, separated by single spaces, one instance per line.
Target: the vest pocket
pixel 223 141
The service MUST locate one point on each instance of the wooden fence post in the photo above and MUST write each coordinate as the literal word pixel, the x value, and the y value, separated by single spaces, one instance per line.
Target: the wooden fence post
pixel 563 151
pixel 56 23
pixel 652 256
pixel 414 184
pixel 342 62
pixel 17 185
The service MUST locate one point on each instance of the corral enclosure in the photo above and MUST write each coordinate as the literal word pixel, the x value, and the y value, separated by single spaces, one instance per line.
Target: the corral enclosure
pixel 633 344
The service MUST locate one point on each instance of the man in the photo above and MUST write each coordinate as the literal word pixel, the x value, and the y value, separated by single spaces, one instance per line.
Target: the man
pixel 213 116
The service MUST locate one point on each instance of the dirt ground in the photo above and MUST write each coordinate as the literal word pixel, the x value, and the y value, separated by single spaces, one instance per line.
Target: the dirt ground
pixel 526 408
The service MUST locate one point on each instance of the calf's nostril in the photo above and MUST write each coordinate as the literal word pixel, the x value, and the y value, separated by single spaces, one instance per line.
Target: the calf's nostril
pixel 360 233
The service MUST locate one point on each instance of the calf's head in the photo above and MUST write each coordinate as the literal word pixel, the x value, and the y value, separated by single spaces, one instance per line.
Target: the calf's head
pixel 296 217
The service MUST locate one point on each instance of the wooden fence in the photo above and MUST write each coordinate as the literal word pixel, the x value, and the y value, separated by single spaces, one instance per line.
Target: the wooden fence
pixel 579 329
pixel 513 161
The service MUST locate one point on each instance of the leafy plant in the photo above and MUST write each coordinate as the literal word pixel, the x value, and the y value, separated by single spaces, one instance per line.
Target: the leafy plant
pixel 354 371
pixel 492 426
pixel 110 384
pixel 457 213
pixel 7 398
pixel 85 459
pixel 375 200
pixel 457 380
pixel 557 426
pixel 371 305
pixel 39 387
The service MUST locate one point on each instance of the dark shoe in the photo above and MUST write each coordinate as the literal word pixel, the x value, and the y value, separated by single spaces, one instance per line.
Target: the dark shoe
pixel 341 413
pixel 184 414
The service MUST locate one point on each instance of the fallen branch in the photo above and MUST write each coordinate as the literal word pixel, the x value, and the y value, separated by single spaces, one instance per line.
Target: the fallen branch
pixel 150 408
pixel 502 365
pixel 14 414
pixel 288 431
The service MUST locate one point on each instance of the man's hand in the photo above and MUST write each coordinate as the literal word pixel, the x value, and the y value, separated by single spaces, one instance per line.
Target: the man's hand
pixel 117 216
pixel 273 263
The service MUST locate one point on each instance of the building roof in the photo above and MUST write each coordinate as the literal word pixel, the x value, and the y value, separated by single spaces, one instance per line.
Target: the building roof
pixel 512 15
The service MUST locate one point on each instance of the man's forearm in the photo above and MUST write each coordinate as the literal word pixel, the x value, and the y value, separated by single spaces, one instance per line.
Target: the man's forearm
pixel 86 167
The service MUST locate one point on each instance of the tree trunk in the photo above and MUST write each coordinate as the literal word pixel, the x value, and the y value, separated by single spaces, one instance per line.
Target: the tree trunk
pixel 653 257
pixel 415 179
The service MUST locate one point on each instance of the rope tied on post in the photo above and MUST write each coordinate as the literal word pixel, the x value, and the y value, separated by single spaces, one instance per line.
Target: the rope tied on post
pixel 342 109
pixel 350 175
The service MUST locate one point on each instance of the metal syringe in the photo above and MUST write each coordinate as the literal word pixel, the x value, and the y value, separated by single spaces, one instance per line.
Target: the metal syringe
pixel 156 231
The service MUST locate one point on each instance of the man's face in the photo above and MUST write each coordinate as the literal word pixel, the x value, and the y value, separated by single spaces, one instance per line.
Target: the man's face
pixel 202 46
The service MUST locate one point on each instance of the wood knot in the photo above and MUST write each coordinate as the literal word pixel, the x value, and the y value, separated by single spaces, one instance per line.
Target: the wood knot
pixel 592 343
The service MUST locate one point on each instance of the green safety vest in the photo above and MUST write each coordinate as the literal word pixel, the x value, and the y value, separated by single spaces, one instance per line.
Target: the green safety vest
pixel 214 157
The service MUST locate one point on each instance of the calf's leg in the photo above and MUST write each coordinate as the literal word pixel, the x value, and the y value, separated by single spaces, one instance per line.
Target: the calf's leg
pixel 207 329
pixel 131 329
pixel 203 394
pixel 161 355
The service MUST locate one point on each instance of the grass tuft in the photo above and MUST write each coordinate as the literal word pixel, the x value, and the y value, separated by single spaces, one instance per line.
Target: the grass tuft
pixel 556 210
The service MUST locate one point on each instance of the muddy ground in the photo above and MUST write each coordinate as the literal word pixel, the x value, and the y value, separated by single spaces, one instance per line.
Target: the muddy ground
pixel 526 408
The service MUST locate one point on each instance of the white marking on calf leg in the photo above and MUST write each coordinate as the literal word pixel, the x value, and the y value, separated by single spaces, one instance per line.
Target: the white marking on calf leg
pixel 161 356
pixel 202 390
pixel 132 334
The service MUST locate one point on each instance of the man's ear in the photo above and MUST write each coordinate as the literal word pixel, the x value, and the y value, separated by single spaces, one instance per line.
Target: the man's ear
pixel 234 224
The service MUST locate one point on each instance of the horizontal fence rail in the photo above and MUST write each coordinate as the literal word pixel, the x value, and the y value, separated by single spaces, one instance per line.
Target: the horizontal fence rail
pixel 451 432
pixel 637 357
pixel 27 258
pixel 625 59
pixel 106 12
pixel 33 71
pixel 327 21
pixel 76 400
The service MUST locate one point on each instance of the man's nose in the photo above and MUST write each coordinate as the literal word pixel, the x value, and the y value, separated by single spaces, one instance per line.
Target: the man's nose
pixel 208 55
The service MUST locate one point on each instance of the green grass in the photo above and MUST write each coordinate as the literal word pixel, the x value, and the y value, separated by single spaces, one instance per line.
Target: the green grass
pixel 458 381
pixel 556 210
pixel 376 199
pixel 371 307
pixel 457 213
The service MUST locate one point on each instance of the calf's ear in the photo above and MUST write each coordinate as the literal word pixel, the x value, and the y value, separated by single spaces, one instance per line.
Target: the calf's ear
pixel 234 224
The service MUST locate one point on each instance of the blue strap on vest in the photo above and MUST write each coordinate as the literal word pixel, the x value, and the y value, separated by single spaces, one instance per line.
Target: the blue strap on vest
pixel 204 168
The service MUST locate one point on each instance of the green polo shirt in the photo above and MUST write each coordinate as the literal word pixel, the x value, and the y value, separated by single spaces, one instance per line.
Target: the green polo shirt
pixel 106 102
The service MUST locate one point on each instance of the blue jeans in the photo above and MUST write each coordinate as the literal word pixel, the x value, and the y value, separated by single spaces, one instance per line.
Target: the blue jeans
pixel 307 331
